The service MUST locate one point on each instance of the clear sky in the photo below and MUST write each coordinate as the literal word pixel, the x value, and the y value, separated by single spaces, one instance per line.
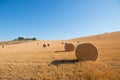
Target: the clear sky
pixel 57 19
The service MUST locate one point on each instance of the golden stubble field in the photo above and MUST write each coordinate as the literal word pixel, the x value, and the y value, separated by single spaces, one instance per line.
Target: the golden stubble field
pixel 30 61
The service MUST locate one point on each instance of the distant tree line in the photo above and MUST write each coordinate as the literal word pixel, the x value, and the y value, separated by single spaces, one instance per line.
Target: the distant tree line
pixel 22 38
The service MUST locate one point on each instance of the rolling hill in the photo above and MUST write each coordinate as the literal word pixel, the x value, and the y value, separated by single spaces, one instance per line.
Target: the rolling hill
pixel 31 61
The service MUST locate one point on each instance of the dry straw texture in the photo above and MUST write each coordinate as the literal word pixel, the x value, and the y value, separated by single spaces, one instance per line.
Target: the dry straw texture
pixel 86 51
pixel 69 47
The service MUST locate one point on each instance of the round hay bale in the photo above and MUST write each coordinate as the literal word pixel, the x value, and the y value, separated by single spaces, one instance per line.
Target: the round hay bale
pixel 69 47
pixel 62 42
pixel 48 44
pixel 86 51
pixel 44 45
pixel 78 42
pixel 3 46
pixel 37 43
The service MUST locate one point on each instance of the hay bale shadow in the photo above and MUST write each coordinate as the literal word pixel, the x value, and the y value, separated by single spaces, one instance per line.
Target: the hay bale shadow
pixel 58 62
pixel 59 51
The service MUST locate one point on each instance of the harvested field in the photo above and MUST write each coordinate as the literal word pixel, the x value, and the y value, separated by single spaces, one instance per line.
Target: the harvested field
pixel 28 61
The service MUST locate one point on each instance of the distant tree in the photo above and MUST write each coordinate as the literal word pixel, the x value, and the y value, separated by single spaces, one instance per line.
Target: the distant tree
pixel 20 38
pixel 14 39
pixel 34 38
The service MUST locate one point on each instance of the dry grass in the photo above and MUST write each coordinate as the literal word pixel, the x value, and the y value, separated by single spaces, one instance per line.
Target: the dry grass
pixel 29 61
pixel 43 66
pixel 14 42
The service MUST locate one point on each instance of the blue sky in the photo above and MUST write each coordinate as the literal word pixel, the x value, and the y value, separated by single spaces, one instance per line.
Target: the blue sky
pixel 57 19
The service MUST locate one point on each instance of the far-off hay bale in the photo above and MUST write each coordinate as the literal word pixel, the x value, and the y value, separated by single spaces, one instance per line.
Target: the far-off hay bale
pixel 86 51
pixel 62 42
pixel 44 45
pixel 3 46
pixel 69 47
pixel 37 43
pixel 48 44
